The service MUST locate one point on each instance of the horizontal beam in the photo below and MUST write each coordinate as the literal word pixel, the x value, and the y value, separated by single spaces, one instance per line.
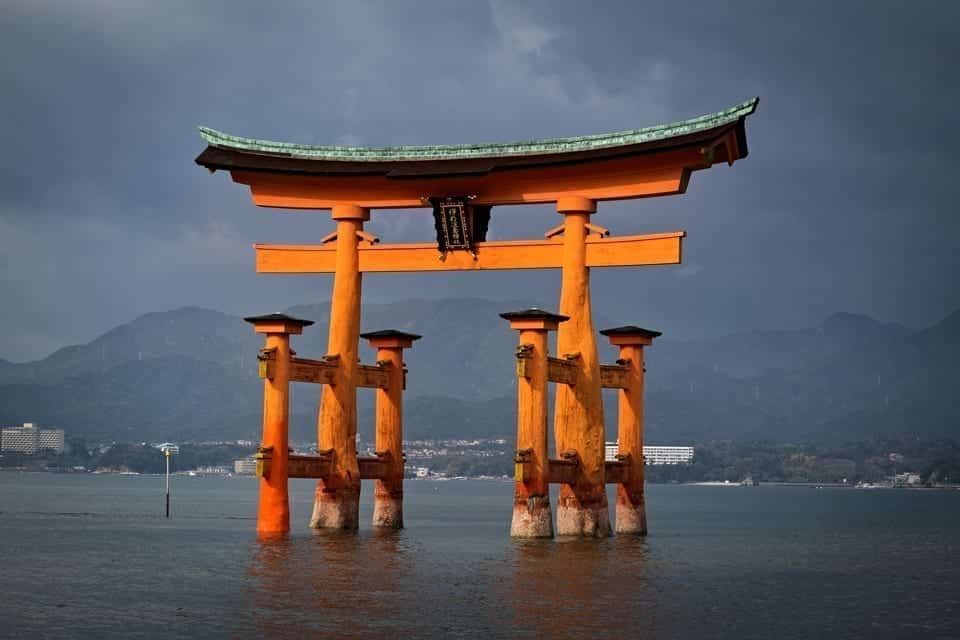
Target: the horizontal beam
pixel 614 376
pixel 616 471
pixel 561 370
pixel 318 466
pixel 658 174
pixel 369 376
pixel 372 376
pixel 302 466
pixel 313 371
pixel 565 471
pixel 562 471
pixel 623 251
pixel 371 468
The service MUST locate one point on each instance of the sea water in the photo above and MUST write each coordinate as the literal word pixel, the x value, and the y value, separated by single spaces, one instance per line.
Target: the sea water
pixel 89 556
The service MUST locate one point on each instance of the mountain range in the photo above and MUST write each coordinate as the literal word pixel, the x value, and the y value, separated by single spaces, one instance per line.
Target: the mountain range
pixel 190 374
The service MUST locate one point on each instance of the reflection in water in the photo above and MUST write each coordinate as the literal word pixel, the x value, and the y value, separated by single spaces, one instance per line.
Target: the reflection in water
pixel 273 589
pixel 573 588
pixel 776 562
pixel 375 585
pixel 336 582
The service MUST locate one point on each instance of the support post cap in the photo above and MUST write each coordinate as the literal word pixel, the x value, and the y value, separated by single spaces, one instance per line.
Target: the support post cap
pixel 576 204
pixel 390 338
pixel 349 212
pixel 534 318
pixel 278 323
pixel 630 335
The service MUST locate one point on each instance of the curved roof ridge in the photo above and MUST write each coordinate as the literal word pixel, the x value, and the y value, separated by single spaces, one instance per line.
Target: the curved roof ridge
pixel 491 150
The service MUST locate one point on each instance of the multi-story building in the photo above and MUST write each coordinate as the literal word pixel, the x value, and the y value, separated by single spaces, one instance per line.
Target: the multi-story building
pixel 247 466
pixel 610 450
pixel 52 439
pixel 668 455
pixel 30 439
pixel 655 454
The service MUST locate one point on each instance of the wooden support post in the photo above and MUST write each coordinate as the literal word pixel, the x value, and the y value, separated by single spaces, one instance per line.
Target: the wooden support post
pixel 631 507
pixel 578 418
pixel 532 516
pixel 337 499
pixel 273 510
pixel 388 492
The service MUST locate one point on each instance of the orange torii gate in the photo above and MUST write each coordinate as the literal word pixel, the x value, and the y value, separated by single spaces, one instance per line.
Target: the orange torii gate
pixel 462 183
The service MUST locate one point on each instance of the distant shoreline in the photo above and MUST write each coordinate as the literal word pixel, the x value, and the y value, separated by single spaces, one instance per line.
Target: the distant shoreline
pixel 811 485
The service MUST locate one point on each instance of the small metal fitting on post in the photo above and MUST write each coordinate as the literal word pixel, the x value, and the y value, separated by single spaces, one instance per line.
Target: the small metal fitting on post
pixel 571 456
pixel 266 360
pixel 263 457
pixel 524 352
pixel 522 459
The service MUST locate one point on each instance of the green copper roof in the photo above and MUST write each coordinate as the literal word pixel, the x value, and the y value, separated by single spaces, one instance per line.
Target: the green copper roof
pixel 467 151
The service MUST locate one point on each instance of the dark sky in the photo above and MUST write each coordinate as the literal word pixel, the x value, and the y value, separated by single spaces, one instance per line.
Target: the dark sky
pixel 845 203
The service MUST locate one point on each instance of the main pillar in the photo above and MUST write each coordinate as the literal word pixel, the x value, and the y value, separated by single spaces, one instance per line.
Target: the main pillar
pixel 532 517
pixel 631 507
pixel 388 492
pixel 578 414
pixel 337 500
pixel 273 508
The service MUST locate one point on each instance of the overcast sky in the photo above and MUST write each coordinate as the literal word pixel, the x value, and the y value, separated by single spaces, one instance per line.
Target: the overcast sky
pixel 846 201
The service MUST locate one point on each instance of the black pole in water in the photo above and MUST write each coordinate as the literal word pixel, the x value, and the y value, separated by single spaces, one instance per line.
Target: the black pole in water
pixel 166 452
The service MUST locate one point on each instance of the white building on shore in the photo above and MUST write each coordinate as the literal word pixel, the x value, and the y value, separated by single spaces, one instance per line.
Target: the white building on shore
pixel 655 454
pixel 31 439
pixel 245 467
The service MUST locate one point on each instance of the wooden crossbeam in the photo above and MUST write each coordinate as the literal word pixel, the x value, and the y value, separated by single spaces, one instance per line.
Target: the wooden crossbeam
pixel 616 471
pixel 562 370
pixel 371 468
pixel 303 466
pixel 614 376
pixel 618 251
pixel 314 371
pixel 662 173
pixel 372 376
pixel 562 471
pixel 318 466
pixel 369 376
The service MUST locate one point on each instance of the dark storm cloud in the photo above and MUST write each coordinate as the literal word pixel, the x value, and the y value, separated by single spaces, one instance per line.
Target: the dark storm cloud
pixel 844 203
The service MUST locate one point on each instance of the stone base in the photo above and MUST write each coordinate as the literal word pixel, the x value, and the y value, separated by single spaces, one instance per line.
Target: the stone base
pixel 591 521
pixel 388 512
pixel 338 509
pixel 631 519
pixel 532 518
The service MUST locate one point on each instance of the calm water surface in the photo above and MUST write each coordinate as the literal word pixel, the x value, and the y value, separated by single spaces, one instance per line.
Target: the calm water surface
pixel 92 556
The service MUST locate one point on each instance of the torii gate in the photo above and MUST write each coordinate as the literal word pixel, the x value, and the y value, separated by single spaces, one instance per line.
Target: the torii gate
pixel 462 183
